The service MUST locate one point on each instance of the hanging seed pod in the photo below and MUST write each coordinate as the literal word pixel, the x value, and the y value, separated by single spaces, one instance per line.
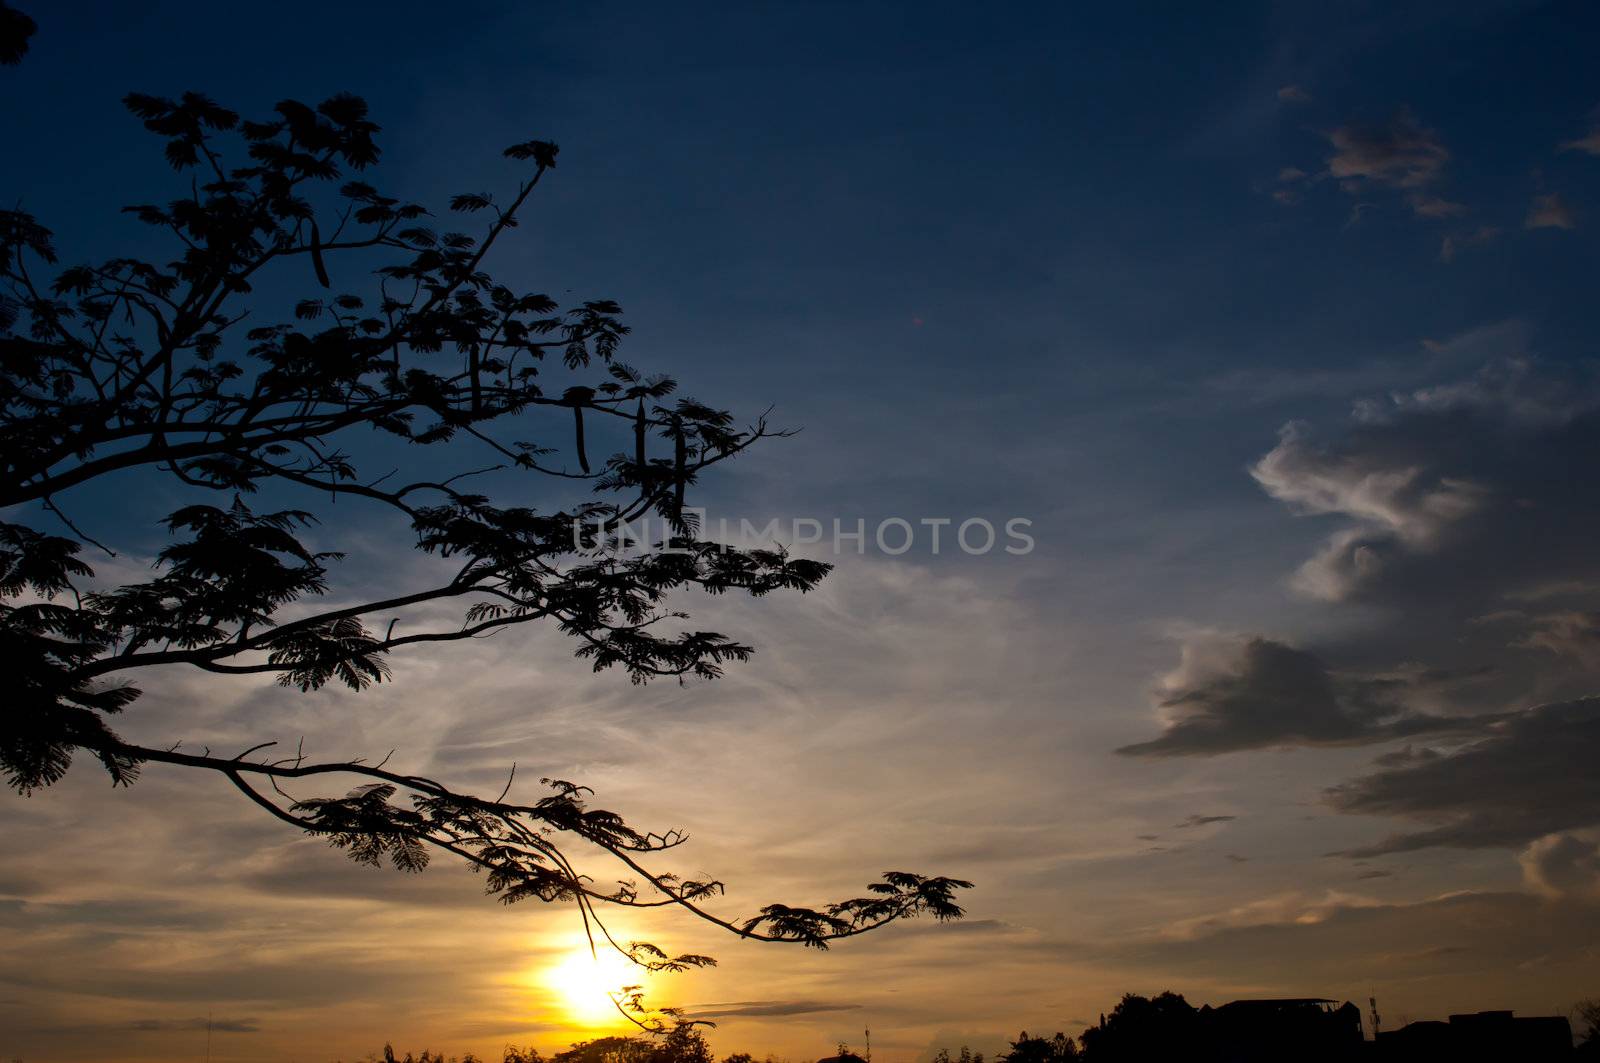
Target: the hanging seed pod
pixel 316 257
pixel 576 397
pixel 638 440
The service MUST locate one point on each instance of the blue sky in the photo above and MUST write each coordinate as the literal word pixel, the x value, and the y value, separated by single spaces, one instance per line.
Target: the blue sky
pixel 1078 265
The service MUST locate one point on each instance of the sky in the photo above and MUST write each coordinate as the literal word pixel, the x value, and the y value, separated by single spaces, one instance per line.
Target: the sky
pixel 1273 322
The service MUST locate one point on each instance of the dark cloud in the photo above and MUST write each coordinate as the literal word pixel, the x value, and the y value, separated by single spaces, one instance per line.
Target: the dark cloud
pixel 213 1025
pixel 1398 154
pixel 1533 775
pixel 1293 94
pixel 1551 943
pixel 1230 695
pixel 193 1025
pixel 765 1008
pixel 1201 821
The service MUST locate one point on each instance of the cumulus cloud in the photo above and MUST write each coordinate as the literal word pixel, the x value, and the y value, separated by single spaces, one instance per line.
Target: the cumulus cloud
pixel 1467 487
pixel 1563 865
pixel 1532 775
pixel 1235 694
pixel 1549 211
pixel 1398 507
pixel 1296 94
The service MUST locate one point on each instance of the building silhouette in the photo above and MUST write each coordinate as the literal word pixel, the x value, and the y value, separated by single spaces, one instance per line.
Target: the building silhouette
pixel 1479 1036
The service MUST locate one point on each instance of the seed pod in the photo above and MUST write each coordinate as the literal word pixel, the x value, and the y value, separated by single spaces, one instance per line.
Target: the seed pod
pixel 638 440
pixel 316 257
pixel 577 430
pixel 576 397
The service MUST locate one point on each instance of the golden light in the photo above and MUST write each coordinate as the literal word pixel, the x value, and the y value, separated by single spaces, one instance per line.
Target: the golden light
pixel 587 985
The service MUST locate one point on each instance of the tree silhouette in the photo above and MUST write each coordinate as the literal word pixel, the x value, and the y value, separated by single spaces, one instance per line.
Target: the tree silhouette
pixel 1142 1028
pixel 1587 1012
pixel 16 31
pixel 177 370
pixel 1025 1049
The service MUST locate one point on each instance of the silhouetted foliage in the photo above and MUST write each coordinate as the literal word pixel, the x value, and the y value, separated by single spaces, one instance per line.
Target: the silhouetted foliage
pixel 1140 1028
pixel 172 369
pixel 1027 1049
pixel 966 1055
pixel 683 1043
pixel 1587 1012
pixel 16 31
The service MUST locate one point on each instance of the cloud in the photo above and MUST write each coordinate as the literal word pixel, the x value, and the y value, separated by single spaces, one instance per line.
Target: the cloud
pixel 1533 775
pixel 1452 245
pixel 1432 953
pixel 1201 821
pixel 1427 206
pixel 1230 694
pixel 1466 486
pixel 753 1008
pixel 1589 143
pixel 1549 211
pixel 1574 635
pixel 1563 865
pixel 1399 154
pixel 212 1025
pixel 1295 94
pixel 1399 507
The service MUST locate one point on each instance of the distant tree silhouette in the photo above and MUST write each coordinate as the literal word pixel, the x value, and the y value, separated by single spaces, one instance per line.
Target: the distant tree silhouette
pixel 608 1050
pixel 1587 1012
pixel 966 1055
pixel 179 370
pixel 1027 1049
pixel 1140 1029
pixel 513 1054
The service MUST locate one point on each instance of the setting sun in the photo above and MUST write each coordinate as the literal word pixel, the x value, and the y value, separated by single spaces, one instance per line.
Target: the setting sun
pixel 588 986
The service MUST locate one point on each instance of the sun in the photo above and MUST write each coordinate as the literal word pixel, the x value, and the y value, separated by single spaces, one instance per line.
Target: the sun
pixel 588 985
